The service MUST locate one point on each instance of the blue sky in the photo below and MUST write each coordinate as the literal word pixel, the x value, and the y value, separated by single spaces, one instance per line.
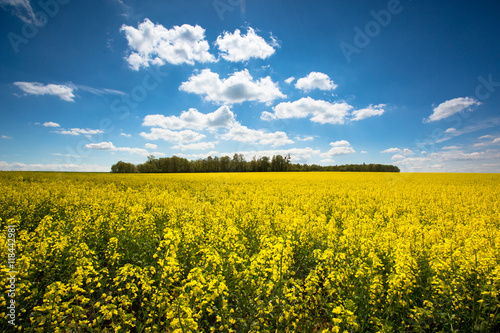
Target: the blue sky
pixel 84 84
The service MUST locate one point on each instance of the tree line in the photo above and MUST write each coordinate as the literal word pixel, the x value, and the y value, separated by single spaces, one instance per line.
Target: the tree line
pixel 238 163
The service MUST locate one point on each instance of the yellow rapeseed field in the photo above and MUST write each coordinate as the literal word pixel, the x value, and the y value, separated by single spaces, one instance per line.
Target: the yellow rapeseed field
pixel 251 252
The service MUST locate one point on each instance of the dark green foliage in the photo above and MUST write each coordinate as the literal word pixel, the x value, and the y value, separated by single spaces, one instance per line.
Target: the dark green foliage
pixel 123 167
pixel 277 163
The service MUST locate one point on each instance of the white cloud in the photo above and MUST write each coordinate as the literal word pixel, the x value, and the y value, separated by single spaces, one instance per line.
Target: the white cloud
pixel 23 10
pixel 163 128
pixel 197 156
pixel 164 134
pixel 304 138
pixel 65 155
pixel 50 124
pixel 5 137
pixel 340 143
pixel 100 146
pixel 80 131
pixel 364 152
pixel 242 133
pixel 370 111
pixel 290 80
pixel 451 107
pixel 413 160
pixel 341 147
pixel 99 92
pixel 404 151
pixel 398 157
pixel 452 159
pixel 315 80
pixel 138 151
pixel 196 146
pixel 236 47
pixel 486 137
pixel 64 92
pixel 237 88
pixel 16 166
pixel 109 146
pixel 453 132
pixel 327 161
pixel 458 155
pixel 488 142
pixel 321 111
pixel 126 135
pixel 154 44
pixel 267 116
pixel 150 146
pixel 193 119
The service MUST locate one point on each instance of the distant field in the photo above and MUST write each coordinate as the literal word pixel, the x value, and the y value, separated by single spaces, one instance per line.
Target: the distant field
pixel 251 252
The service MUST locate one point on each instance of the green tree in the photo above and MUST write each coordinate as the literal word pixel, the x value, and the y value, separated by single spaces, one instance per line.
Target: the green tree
pixel 123 167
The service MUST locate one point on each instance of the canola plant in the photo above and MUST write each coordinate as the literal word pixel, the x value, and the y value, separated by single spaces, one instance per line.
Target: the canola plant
pixel 253 252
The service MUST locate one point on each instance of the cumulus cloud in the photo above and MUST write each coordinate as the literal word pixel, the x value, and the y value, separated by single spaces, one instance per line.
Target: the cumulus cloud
pixel 341 147
pixel 64 92
pixel 398 157
pixel 150 146
pixel 192 121
pixel 101 146
pixel 164 134
pixel 242 133
pixel 223 117
pixel 451 107
pixel 403 151
pixel 370 111
pixel 50 124
pixel 153 44
pixel 315 80
pixel 322 112
pixel 290 80
pixel 237 88
pixel 126 135
pixel 236 47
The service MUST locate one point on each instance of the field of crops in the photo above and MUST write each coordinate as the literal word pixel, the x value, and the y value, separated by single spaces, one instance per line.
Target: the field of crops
pixel 253 252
